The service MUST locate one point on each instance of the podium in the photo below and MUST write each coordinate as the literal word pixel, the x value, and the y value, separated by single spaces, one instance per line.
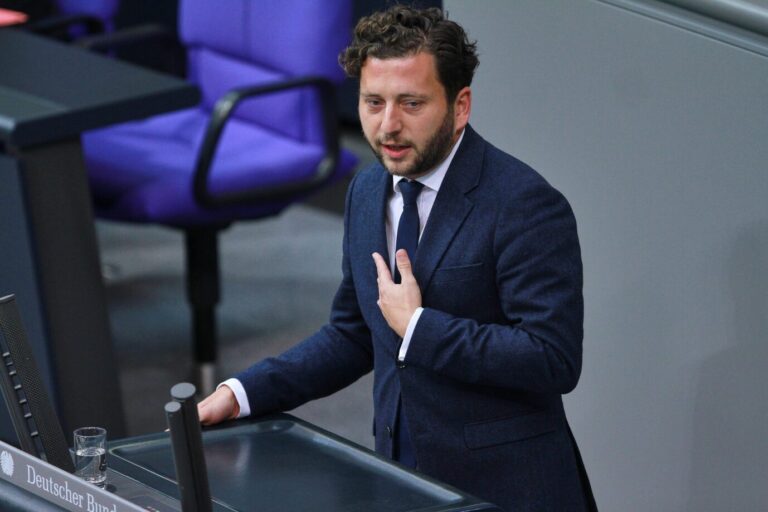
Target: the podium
pixel 277 463
pixel 49 94
pixel 283 464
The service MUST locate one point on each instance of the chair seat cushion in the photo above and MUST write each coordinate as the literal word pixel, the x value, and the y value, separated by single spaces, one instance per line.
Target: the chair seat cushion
pixel 142 171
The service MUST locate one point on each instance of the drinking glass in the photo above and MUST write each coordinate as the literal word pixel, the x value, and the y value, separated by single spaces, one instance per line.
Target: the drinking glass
pixel 91 454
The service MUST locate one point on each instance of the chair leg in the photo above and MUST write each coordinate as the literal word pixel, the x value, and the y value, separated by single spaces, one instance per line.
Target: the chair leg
pixel 203 293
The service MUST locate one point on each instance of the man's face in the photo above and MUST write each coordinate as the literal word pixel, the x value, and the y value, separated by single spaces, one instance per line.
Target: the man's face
pixel 405 114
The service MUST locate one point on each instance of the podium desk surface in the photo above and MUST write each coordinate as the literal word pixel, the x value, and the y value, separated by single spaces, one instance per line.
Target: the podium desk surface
pixel 281 464
pixel 51 91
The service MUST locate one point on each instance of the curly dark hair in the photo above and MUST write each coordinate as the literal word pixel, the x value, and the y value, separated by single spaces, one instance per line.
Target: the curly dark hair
pixel 402 31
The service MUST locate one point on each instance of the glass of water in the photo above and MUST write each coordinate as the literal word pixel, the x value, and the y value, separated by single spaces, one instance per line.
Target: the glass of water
pixel 91 454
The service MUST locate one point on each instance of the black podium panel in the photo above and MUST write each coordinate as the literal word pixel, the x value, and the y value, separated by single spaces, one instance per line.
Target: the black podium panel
pixel 283 464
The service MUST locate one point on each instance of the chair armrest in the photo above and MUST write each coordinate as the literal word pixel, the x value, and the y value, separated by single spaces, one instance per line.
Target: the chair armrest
pixel 222 112
pixel 58 26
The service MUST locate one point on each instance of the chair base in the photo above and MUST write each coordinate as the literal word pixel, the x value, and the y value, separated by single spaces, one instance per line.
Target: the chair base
pixel 203 293
pixel 205 378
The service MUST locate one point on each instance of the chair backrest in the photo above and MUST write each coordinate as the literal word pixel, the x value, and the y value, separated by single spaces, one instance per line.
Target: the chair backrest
pixel 104 10
pixel 249 42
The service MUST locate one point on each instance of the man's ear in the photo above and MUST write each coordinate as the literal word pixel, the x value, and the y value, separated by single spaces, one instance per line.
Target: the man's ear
pixel 462 107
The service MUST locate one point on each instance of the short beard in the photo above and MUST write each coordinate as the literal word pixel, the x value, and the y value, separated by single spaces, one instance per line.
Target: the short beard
pixel 435 151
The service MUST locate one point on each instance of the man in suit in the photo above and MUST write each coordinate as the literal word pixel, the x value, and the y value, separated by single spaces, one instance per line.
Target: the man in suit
pixel 476 332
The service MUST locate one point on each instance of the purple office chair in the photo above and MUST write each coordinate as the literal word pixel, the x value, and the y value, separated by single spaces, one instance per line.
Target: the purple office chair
pixel 263 137
pixel 102 10
pixel 73 19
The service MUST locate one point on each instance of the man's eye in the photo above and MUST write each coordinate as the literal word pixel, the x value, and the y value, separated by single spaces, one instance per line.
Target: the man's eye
pixel 412 104
pixel 373 103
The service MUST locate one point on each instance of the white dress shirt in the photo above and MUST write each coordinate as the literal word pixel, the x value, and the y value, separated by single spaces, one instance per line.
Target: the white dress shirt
pixel 424 203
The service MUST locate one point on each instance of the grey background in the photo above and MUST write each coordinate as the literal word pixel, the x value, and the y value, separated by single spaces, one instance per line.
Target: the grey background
pixel 656 133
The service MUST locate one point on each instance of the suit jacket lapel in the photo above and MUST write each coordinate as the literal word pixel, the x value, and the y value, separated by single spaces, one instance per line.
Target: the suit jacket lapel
pixel 451 206
pixel 373 217
pixel 374 225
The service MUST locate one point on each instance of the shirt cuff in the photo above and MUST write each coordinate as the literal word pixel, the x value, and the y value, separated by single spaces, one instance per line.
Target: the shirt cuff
pixel 240 395
pixel 408 333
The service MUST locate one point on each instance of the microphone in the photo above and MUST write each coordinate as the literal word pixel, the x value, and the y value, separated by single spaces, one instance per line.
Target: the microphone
pixel 187 447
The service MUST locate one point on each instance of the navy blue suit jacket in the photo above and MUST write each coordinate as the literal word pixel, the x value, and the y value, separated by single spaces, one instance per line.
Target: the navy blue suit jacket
pixel 498 343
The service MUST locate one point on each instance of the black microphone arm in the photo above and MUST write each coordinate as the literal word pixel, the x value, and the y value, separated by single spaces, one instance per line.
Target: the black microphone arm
pixel 187 446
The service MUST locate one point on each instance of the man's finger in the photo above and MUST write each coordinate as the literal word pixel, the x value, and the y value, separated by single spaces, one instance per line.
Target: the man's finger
pixel 403 263
pixel 203 413
pixel 382 269
pixel 218 406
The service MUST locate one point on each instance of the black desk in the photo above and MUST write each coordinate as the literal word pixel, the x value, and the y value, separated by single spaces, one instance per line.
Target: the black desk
pixel 275 464
pixel 49 94
pixel 283 464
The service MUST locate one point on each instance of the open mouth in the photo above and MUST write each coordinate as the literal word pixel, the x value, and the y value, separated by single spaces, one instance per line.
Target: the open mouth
pixel 395 151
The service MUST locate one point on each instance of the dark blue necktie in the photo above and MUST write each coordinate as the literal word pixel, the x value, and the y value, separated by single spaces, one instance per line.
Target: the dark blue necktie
pixel 408 228
pixel 408 239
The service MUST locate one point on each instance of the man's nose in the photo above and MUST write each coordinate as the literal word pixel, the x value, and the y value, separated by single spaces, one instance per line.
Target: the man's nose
pixel 391 122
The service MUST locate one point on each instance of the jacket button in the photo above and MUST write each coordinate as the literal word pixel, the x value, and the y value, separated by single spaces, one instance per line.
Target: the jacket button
pixel 389 432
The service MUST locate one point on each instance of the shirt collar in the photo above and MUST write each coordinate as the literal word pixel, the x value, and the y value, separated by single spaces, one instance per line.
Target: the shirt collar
pixel 434 178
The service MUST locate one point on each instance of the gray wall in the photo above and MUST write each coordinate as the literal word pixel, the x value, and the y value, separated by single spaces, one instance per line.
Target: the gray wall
pixel 658 135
